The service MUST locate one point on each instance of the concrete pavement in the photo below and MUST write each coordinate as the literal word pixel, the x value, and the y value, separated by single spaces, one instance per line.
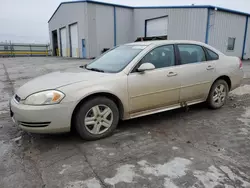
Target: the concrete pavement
pixel 196 148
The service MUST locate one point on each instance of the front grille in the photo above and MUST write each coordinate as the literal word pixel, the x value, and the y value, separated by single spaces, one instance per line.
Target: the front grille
pixel 34 124
pixel 17 98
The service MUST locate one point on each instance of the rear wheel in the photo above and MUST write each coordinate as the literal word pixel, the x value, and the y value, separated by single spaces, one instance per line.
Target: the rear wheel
pixel 218 94
pixel 97 118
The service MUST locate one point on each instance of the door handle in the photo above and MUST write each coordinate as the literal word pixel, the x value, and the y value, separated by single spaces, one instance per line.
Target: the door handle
pixel 210 67
pixel 170 74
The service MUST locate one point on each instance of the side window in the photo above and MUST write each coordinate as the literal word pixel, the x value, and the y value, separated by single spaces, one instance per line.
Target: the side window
pixel 211 55
pixel 190 53
pixel 230 43
pixel 160 57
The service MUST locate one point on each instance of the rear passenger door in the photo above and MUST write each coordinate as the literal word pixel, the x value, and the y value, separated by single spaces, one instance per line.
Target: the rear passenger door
pixel 196 73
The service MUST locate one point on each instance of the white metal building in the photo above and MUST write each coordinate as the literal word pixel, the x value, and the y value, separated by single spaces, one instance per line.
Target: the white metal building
pixel 84 28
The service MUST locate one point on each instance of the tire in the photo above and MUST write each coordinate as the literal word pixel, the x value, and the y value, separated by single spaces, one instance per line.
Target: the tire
pixel 216 90
pixel 89 120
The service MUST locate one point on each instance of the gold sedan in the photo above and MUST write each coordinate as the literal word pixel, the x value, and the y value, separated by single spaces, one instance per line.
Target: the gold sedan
pixel 128 81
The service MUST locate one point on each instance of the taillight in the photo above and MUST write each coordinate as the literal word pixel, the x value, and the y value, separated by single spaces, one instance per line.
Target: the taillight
pixel 240 64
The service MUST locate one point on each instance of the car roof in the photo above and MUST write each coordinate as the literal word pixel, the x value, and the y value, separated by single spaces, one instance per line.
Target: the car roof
pixel 165 42
pixel 159 42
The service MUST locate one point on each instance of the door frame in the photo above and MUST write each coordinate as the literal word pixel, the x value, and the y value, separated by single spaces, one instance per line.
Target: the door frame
pixel 203 48
pixel 61 39
pixel 137 64
pixel 83 48
pixel 70 42
pixel 54 39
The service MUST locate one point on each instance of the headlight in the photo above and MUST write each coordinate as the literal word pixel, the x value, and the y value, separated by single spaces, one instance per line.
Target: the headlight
pixel 44 98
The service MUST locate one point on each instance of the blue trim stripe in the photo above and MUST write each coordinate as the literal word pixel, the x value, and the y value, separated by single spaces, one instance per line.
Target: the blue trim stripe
pixel 89 1
pixel 230 11
pixel 104 3
pixel 208 25
pixel 245 38
pixel 151 7
pixel 196 6
pixel 114 26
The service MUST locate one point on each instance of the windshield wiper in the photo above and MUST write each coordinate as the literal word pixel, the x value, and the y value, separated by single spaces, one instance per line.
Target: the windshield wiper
pixel 94 69
pixel 82 66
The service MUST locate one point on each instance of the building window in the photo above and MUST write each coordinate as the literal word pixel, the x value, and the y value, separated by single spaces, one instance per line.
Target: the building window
pixel 230 43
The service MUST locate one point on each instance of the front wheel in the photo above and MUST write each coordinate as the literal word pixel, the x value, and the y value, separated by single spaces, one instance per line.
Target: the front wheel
pixel 97 118
pixel 218 94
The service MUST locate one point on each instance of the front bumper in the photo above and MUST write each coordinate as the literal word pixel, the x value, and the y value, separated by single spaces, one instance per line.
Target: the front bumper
pixel 42 119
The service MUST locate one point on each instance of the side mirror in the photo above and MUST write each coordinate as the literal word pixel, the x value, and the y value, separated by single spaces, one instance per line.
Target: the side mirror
pixel 146 67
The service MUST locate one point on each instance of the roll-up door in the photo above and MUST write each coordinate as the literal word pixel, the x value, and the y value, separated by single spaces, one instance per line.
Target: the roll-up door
pixel 157 27
pixel 74 40
pixel 63 38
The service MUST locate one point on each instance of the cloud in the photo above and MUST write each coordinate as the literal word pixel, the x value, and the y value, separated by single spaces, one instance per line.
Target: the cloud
pixel 26 20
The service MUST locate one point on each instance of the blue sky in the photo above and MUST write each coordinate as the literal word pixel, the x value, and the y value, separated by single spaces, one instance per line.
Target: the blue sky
pixel 26 21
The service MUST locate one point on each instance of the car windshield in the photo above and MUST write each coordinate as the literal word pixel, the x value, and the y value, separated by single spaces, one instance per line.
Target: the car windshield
pixel 116 59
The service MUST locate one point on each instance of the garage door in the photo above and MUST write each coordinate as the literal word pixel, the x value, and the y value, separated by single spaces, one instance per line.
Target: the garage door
pixel 74 40
pixel 63 42
pixel 157 27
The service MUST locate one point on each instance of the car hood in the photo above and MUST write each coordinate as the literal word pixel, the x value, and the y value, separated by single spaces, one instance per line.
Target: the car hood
pixel 58 79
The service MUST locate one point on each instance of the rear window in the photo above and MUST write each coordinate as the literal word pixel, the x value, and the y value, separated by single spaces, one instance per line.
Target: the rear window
pixel 211 55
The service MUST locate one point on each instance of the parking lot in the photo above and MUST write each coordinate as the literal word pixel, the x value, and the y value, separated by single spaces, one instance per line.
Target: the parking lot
pixel 194 147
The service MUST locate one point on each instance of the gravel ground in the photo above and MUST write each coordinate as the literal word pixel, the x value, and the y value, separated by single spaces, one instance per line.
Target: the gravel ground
pixel 183 148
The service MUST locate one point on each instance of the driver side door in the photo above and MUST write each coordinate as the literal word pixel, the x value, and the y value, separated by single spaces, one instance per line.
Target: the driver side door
pixel 154 90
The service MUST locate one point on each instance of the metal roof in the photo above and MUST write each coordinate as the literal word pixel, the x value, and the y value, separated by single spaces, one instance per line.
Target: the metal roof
pixel 152 7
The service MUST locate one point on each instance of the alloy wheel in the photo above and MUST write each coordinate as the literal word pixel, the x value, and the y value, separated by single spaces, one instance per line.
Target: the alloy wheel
pixel 98 119
pixel 219 94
